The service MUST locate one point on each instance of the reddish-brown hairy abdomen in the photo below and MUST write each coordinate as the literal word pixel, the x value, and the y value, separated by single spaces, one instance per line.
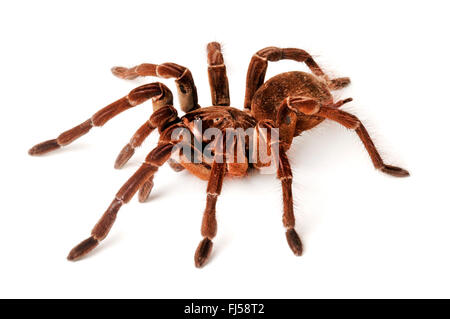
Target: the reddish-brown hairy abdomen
pixel 270 95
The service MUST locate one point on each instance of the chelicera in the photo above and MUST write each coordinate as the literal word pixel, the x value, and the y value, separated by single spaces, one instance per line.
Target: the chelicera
pixel 289 103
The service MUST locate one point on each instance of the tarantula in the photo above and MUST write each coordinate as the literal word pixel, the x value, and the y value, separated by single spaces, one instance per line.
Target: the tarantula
pixel 291 102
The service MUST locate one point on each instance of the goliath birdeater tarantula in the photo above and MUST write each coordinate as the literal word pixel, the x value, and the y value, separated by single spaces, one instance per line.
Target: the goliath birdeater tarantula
pixel 288 104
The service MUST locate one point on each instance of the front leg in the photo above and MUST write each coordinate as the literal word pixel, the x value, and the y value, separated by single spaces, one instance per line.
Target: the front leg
pixel 157 157
pixel 187 92
pixel 158 92
pixel 209 223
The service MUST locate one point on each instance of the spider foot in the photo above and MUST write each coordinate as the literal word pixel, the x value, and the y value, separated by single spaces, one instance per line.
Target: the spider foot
pixel 44 147
pixel 394 171
pixel 177 167
pixel 125 154
pixel 294 241
pixel 82 248
pixel 124 73
pixel 145 190
pixel 203 252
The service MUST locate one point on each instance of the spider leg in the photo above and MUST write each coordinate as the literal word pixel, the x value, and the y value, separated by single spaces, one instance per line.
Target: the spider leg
pixel 217 74
pixel 350 121
pixel 284 173
pixel 138 138
pixel 187 92
pixel 259 62
pixel 177 167
pixel 277 147
pixel 157 157
pixel 209 223
pixel 160 94
pixel 146 188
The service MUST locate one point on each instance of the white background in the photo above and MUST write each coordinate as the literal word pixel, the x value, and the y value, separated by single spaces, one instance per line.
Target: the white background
pixel 365 234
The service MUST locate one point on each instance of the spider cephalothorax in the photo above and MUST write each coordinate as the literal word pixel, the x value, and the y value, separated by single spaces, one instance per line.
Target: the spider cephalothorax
pixel 287 104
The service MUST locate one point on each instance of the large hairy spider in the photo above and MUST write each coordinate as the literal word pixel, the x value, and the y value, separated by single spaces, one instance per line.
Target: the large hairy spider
pixel 290 102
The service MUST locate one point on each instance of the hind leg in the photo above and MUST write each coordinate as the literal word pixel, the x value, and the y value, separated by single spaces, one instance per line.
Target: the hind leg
pixel 350 121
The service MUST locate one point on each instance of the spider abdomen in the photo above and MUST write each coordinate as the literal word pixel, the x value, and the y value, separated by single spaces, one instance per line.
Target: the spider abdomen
pixel 269 97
